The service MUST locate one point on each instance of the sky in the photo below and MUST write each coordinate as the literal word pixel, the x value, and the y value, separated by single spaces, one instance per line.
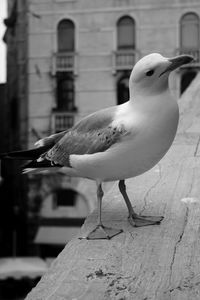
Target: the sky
pixel 3 14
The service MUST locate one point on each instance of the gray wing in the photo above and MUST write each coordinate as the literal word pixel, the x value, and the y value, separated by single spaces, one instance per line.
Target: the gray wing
pixel 93 134
pixel 50 140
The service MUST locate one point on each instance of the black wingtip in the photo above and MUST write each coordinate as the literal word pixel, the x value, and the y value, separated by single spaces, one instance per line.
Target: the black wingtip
pixel 35 164
pixel 25 154
pixel 40 164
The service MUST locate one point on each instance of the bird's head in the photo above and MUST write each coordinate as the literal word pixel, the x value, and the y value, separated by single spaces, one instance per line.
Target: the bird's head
pixel 150 74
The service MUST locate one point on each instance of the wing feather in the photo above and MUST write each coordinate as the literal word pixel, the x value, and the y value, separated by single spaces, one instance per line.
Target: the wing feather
pixel 94 133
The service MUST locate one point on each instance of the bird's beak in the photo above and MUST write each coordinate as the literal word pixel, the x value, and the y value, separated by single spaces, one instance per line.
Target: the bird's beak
pixel 176 62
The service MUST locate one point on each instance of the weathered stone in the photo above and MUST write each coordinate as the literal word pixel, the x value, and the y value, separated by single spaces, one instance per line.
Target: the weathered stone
pixel 150 263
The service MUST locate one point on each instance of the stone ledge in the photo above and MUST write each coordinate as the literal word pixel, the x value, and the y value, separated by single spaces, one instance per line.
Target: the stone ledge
pixel 155 262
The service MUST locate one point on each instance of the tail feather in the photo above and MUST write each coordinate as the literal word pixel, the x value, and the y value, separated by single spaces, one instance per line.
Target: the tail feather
pixel 40 170
pixel 40 164
pixel 42 146
pixel 26 154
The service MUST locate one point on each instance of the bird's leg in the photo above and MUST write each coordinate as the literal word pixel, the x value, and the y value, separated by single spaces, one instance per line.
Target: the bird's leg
pixel 135 219
pixel 101 231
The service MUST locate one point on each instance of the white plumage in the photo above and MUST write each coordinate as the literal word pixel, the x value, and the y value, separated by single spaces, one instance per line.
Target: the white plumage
pixel 122 141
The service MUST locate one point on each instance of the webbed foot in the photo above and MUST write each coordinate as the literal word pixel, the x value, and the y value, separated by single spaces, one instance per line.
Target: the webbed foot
pixel 102 232
pixel 139 221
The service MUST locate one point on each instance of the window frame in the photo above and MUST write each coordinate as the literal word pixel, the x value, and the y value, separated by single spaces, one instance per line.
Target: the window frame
pixel 64 103
pixel 62 41
pixel 183 23
pixel 120 45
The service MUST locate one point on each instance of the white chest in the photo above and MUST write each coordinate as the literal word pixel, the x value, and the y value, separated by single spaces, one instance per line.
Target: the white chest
pixel 150 136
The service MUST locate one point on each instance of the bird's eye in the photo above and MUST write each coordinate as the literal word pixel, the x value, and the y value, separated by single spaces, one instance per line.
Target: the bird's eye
pixel 150 73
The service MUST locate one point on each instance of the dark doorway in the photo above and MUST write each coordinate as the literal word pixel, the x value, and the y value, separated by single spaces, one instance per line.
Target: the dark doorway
pixel 123 89
pixel 186 79
pixel 65 91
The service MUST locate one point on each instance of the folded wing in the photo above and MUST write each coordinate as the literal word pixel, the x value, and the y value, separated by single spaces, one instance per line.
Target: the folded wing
pixel 93 134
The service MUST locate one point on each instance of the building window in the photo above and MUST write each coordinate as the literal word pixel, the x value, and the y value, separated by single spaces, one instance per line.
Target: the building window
pixel 123 88
pixel 66 36
pixel 186 79
pixel 65 61
pixel 125 56
pixel 126 33
pixel 189 31
pixel 65 91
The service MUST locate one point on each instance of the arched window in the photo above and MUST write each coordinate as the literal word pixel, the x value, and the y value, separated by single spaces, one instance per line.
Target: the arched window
pixel 66 36
pixel 186 79
pixel 189 31
pixel 65 91
pixel 126 33
pixel 123 89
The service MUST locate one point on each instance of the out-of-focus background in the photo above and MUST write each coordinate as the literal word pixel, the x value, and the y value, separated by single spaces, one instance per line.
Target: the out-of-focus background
pixel 3 15
pixel 59 61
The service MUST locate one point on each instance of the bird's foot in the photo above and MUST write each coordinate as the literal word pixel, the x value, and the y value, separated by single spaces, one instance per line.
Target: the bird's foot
pixel 139 221
pixel 102 232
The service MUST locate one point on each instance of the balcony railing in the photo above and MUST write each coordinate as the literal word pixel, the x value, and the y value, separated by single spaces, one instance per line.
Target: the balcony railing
pixel 124 59
pixel 64 62
pixel 193 52
pixel 61 121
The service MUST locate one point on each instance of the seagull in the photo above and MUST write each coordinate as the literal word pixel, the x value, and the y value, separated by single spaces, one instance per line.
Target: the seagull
pixel 118 142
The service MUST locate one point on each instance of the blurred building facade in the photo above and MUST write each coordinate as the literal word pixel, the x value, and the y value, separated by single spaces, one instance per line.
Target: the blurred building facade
pixel 68 58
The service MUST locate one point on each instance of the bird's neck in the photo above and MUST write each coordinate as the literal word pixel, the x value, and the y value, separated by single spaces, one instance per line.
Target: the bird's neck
pixel 151 102
pixel 143 91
